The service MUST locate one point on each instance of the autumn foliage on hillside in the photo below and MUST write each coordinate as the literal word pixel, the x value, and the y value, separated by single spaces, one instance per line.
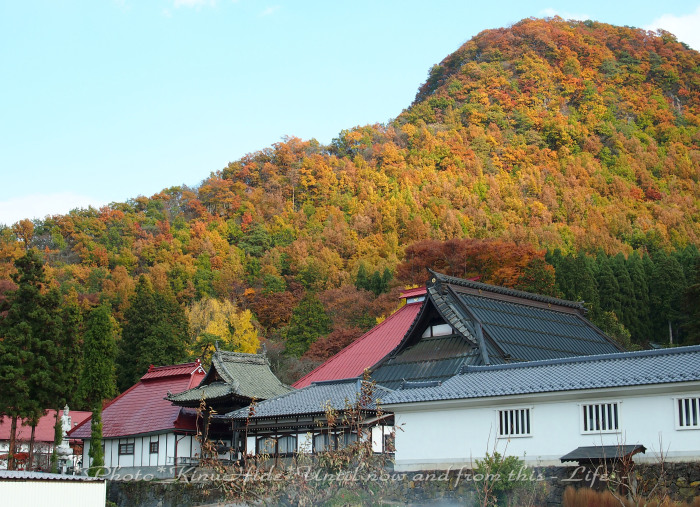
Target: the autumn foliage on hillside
pixel 550 134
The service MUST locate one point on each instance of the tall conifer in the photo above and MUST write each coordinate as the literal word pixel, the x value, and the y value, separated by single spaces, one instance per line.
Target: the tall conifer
pixel 98 380
pixel 156 333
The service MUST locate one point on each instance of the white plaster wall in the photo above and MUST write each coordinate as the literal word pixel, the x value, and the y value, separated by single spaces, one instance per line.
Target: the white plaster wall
pixel 457 436
pixel 142 456
pixel 55 493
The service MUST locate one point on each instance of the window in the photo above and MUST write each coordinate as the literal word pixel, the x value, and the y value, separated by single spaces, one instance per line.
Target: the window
pixel 321 442
pixel 326 442
pixel 125 449
pixel 600 418
pixel 287 445
pixel 281 446
pixel 265 445
pixel 688 413
pixel 438 330
pixel 153 448
pixel 514 422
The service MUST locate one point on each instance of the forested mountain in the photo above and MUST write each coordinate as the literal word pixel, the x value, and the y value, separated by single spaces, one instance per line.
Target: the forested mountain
pixel 556 156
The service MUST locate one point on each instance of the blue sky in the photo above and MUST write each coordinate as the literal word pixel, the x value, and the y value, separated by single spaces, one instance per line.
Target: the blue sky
pixel 105 100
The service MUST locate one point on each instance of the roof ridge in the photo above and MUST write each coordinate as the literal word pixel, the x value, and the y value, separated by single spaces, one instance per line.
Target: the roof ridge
pixel 347 380
pixel 584 359
pixel 453 280
pixel 153 368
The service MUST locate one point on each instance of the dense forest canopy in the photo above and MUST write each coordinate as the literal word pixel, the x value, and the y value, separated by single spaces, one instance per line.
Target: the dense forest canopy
pixel 556 156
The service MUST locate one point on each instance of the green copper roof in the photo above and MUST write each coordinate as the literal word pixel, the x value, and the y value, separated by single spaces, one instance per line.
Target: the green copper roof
pixel 234 375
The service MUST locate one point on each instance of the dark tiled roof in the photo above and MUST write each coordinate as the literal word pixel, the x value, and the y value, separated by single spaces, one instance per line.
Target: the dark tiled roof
pixel 312 399
pixel 529 333
pixel 435 358
pixel 680 364
pixel 491 325
pixel 603 452
pixel 504 291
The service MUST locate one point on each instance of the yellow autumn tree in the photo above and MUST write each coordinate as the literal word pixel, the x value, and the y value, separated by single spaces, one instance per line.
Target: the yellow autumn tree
pixel 214 320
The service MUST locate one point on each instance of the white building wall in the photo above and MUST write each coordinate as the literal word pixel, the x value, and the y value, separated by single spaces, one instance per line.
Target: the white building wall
pixel 54 492
pixel 438 438
pixel 187 447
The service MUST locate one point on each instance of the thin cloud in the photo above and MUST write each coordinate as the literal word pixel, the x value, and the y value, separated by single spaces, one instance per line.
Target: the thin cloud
pixel 684 27
pixel 550 13
pixel 270 10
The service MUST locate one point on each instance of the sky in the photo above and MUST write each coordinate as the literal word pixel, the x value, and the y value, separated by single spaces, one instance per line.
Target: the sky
pixel 105 100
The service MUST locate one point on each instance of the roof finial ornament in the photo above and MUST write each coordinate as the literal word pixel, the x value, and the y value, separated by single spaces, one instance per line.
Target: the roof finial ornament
pixel 216 345
pixel 264 350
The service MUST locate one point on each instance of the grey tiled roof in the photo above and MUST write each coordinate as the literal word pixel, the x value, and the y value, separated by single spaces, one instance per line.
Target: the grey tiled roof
pixel 505 291
pixel 250 373
pixel 235 374
pixel 603 452
pixel 515 326
pixel 24 475
pixel 213 391
pixel 661 366
pixel 312 399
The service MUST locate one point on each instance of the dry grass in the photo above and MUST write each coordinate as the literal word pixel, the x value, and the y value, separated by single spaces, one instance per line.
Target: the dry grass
pixel 585 497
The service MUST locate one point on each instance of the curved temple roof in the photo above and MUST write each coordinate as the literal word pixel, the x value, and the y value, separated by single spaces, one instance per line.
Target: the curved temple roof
pixel 234 375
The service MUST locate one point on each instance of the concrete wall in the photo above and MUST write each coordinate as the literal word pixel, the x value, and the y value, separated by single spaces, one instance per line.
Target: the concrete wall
pixel 439 435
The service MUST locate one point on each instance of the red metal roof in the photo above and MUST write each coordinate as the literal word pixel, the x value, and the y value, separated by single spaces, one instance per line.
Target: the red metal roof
pixel 143 409
pixel 367 350
pixel 44 431
pixel 170 371
pixel 411 293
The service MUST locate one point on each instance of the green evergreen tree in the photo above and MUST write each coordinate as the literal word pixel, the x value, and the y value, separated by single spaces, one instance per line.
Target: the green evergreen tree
pixel 155 332
pixel 98 379
pixel 626 296
pixel 375 283
pixel 668 283
pixel 362 280
pixel 22 332
pixel 309 321
pixel 640 328
pixel 539 278
pixel 387 276
pixel 96 453
pixel 31 345
pixel 610 325
pixel 690 307
pixel 608 288
pixel 575 280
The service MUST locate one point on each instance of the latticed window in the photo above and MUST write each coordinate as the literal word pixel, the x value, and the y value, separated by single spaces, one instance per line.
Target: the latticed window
pixel 688 413
pixel 514 422
pixel 600 418
pixel 125 449
pixel 153 448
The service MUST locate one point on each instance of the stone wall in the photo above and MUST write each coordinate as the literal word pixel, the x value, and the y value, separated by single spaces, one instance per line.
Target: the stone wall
pixel 539 486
